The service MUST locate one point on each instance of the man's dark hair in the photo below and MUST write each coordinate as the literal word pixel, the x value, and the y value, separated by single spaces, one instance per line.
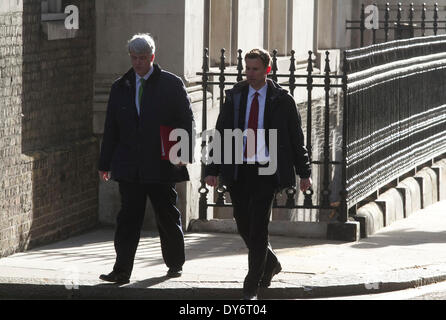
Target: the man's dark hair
pixel 261 54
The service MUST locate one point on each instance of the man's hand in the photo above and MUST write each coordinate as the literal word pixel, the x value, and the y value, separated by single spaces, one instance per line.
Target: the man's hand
pixel 104 175
pixel 211 181
pixel 305 184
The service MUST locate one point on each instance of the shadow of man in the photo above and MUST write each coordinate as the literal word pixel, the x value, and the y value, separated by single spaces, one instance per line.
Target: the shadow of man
pixel 147 283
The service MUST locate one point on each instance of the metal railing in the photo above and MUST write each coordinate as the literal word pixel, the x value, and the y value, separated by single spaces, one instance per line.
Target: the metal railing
pixel 290 80
pixel 403 27
pixel 395 111
pixel 393 117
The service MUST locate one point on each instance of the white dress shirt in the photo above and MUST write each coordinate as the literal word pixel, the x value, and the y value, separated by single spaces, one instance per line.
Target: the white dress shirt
pixel 262 151
pixel 138 84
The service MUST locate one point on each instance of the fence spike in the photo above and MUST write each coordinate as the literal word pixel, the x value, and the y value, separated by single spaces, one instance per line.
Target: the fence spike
pixel 239 65
pixel 274 65
pixel 386 22
pixel 310 62
pixel 362 24
pixel 411 15
pixel 222 76
pixel 327 62
pixel 292 80
pixel 374 30
pixel 205 66
pixel 398 23
pixel 435 18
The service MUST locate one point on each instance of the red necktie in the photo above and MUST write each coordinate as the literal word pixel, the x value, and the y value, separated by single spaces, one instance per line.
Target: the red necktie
pixel 253 123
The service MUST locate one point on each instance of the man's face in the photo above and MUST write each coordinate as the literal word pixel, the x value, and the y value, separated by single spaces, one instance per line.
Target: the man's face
pixel 141 63
pixel 256 72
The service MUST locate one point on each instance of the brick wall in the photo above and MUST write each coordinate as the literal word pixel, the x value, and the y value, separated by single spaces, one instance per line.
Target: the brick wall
pixel 48 177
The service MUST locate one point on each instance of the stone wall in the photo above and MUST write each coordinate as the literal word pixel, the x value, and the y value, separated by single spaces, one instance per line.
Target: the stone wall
pixel 48 179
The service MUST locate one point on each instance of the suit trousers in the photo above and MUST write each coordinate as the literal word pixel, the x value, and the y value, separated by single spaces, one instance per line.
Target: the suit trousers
pixel 252 196
pixel 131 217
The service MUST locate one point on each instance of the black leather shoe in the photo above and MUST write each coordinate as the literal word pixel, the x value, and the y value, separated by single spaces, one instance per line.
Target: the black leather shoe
pixel 249 296
pixel 116 277
pixel 265 282
pixel 250 290
pixel 174 272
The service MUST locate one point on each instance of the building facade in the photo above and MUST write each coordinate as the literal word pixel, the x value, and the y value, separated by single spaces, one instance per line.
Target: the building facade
pixel 55 81
pixel 48 179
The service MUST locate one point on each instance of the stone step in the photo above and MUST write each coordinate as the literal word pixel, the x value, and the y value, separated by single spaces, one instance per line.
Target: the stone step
pixel 101 98
pixel 98 106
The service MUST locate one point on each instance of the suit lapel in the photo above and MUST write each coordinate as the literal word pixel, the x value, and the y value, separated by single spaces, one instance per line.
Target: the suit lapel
pixel 268 109
pixel 270 105
pixel 129 82
pixel 133 94
pixel 242 114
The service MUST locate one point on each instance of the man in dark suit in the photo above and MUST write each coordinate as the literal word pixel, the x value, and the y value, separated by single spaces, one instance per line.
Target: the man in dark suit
pixel 142 103
pixel 260 103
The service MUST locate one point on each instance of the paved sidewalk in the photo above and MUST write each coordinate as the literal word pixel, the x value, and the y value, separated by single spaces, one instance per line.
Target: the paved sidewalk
pixel 409 253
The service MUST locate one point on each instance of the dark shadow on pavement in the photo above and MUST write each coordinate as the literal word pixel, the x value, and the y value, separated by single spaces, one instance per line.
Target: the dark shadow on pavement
pixel 147 283
pixel 150 282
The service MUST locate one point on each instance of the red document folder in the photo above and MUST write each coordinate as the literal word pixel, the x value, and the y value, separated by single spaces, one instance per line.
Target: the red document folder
pixel 166 144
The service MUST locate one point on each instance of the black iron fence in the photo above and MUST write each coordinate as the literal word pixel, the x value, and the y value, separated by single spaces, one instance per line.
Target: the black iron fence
pixel 406 21
pixel 393 117
pixel 292 80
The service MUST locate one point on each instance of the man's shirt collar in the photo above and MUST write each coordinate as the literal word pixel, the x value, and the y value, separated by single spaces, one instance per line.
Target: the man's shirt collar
pixel 146 76
pixel 261 91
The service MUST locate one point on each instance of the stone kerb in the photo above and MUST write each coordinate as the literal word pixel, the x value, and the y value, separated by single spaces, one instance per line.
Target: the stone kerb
pixel 428 186
pixel 392 203
pixel 371 218
pixel 440 169
pixel 412 194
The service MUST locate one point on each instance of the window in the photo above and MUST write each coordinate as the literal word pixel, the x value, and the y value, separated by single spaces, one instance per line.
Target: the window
pixel 52 10
pixel 53 19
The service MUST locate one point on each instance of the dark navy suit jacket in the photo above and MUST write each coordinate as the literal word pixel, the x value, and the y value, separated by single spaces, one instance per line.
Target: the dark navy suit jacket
pixel 280 114
pixel 131 145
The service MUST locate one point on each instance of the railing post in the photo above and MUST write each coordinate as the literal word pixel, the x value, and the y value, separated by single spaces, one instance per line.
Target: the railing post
pixel 326 179
pixel 435 18
pixel 362 24
pixel 292 79
pixel 274 66
pixel 343 209
pixel 399 33
pixel 374 30
pixel 411 14
pixel 221 189
pixel 239 65
pixel 308 195
pixel 386 22
pixel 423 20
pixel 202 211
pixel 221 79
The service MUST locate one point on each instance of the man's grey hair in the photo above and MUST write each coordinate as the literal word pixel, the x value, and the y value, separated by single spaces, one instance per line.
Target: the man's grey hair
pixel 142 43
